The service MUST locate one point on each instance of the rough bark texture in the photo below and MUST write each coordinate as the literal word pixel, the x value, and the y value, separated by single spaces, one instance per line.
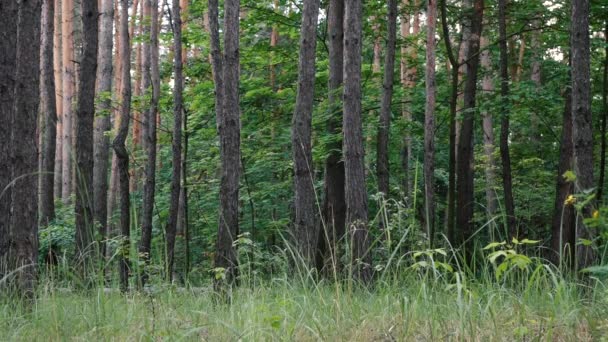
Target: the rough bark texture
pixel 85 117
pixel 8 62
pixel 119 146
pixel 451 211
pixel 505 156
pixel 67 37
pixel 24 148
pixel 102 120
pixel 177 136
pixel 429 121
pixel 464 169
pixel 334 206
pixel 488 129
pixel 382 165
pixel 229 132
pixel 301 136
pixel 600 188
pixel 49 114
pixel 147 213
pixel 58 66
pixel 564 216
pixel 354 163
pixel 582 130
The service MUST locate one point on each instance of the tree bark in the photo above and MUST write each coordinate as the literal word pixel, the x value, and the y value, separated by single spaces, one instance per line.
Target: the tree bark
pixel 505 156
pixel 334 206
pixel 8 64
pixel 600 188
pixel 67 37
pixel 85 117
pixel 465 170
pixel 102 121
pixel 177 136
pixel 229 132
pixel 405 107
pixel 134 29
pixel 536 79
pixel 488 129
pixel 429 121
pixel 354 163
pixel 582 130
pixel 564 217
pixel 58 66
pixel 301 136
pixel 24 148
pixel 49 112
pixel 150 141
pixel 382 163
pixel 120 150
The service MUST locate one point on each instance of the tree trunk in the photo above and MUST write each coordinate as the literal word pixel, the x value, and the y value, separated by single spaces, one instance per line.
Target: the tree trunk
pixel 405 107
pixel 382 163
pixel 465 170
pixel 57 65
pixel 49 112
pixel 226 77
pixel 102 121
pixel 451 211
pixel 301 136
pixel 564 216
pixel 488 130
pixel 120 150
pixel 505 157
pixel 582 130
pixel 24 154
pixel 463 52
pixel 67 37
pixel 137 117
pixel 354 163
pixel 85 117
pixel 429 121
pixel 8 63
pixel 536 79
pixel 177 136
pixel 150 142
pixel 600 188
pixel 334 206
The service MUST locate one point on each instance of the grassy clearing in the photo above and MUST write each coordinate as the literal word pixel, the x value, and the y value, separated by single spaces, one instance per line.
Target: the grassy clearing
pixel 412 310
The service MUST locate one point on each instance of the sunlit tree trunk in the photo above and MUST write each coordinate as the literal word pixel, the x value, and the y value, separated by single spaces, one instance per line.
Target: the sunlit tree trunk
pixel 488 129
pixel 58 66
pixel 67 36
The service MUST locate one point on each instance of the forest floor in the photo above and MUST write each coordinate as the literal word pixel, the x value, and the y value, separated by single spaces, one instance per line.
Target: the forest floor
pixel 418 309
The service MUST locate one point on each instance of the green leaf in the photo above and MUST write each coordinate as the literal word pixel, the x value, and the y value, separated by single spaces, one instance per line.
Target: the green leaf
pixel 494 245
pixel 569 176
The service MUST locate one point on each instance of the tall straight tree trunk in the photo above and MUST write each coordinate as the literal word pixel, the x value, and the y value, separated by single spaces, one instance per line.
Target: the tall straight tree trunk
pixel 410 82
pixel 463 52
pixel 177 136
pixel 150 143
pixel 24 154
pixel 564 217
pixel 301 135
pixel 405 107
pixel 429 121
pixel 382 164
pixel 354 155
pixel 85 117
pixel 465 170
pixel 488 129
pixel 49 110
pixel 226 77
pixel 451 211
pixel 134 29
pixel 334 205
pixel 118 144
pixel 536 79
pixel 505 157
pixel 67 36
pixel 600 188
pixel 102 120
pixel 57 65
pixel 582 130
pixel 8 64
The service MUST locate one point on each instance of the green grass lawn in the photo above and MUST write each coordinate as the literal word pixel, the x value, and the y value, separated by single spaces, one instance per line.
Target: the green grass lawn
pixel 421 308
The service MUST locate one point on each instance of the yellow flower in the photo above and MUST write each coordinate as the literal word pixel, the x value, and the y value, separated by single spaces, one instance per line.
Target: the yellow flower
pixel 570 200
pixel 596 214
